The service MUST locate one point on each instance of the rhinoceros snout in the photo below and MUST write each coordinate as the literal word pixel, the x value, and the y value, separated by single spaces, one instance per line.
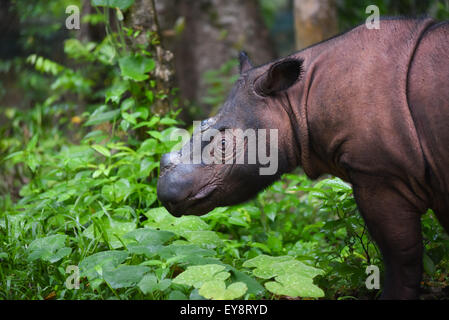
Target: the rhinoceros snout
pixel 177 182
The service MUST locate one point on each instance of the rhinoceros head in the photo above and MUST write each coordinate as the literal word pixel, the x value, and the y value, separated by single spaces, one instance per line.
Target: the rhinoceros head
pixel 243 149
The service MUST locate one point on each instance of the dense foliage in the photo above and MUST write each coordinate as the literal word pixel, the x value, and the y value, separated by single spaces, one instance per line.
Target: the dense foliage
pixel 79 189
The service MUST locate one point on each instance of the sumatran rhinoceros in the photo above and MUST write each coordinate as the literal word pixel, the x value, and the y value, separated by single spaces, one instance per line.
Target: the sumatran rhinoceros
pixel 368 106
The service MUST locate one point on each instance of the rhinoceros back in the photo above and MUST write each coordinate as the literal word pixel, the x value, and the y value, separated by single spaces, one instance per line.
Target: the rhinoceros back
pixel 428 94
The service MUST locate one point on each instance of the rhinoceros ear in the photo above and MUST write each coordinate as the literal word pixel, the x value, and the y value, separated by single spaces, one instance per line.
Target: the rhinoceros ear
pixel 245 63
pixel 281 76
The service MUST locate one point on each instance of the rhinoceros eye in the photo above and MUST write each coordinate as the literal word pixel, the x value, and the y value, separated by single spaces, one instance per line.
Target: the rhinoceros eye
pixel 223 144
pixel 223 150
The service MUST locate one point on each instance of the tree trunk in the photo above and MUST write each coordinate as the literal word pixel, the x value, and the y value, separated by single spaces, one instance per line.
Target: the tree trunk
pixel 144 16
pixel 215 31
pixel 315 21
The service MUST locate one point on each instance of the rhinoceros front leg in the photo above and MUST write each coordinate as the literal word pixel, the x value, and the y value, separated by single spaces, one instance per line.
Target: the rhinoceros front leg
pixel 395 225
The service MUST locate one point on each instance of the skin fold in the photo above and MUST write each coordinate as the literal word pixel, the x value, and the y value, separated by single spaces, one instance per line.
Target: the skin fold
pixel 368 106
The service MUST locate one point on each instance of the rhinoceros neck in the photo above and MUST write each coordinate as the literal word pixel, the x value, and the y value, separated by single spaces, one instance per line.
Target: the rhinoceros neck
pixel 353 99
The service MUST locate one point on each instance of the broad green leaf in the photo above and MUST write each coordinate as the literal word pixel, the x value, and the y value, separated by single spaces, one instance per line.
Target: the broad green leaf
pixel 216 290
pixel 196 276
pixel 136 67
pixel 115 92
pixel 190 254
pixel 209 239
pixel 51 248
pixel 61 253
pixel 293 278
pixel 254 287
pixel 159 215
pixel 125 276
pixel 177 295
pixel 268 267
pixel 148 284
pixel 146 166
pixel 149 147
pixel 147 249
pixel 105 259
pixel 117 191
pixel 294 285
pixel 149 236
pixel 160 218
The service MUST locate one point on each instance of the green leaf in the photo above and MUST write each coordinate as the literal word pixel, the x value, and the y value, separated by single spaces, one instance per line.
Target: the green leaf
pixel 148 284
pixel 335 184
pixel 121 4
pixel 125 276
pixel 123 189
pixel 196 276
pixel 155 134
pixel 102 150
pixel 115 92
pixel 190 254
pixel 168 121
pixel 149 236
pixel 160 218
pixel 254 287
pixel 293 278
pixel 177 295
pixel 146 166
pixel 118 191
pixel 102 260
pixel 115 231
pixel 61 253
pixel 148 147
pixel 129 118
pixel 33 142
pixel 216 290
pixel 429 266
pixel 142 113
pixel 136 67
pixel 208 239
pixel 101 117
pixel 47 248
pixel 268 267
pixel 294 285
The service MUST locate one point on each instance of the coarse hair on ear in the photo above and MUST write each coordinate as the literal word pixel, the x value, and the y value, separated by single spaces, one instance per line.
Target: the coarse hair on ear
pixel 280 76
pixel 245 63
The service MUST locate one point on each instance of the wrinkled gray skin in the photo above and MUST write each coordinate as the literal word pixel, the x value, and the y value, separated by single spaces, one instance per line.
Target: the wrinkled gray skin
pixel 369 106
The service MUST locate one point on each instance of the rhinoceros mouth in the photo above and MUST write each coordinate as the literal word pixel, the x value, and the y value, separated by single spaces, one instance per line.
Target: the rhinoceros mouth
pixel 197 204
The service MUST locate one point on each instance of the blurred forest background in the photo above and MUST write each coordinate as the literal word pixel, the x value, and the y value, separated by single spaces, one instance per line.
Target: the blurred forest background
pixel 205 37
pixel 85 115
